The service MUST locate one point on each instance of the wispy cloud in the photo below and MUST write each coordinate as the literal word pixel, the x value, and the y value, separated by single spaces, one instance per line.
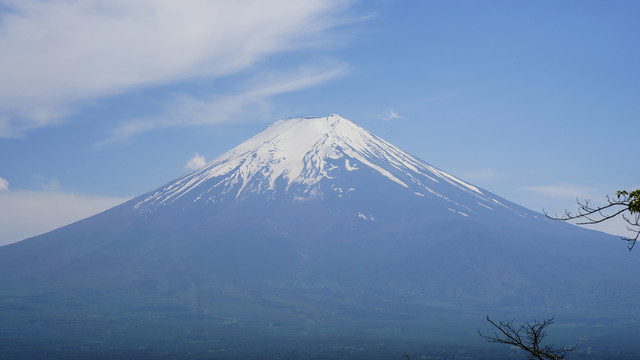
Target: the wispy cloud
pixel 4 185
pixel 215 109
pixel 28 213
pixel 563 191
pixel 392 116
pixel 53 184
pixel 49 184
pixel 58 53
pixel 195 163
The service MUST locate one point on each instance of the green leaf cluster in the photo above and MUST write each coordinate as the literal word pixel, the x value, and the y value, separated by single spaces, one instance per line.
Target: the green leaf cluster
pixel 633 198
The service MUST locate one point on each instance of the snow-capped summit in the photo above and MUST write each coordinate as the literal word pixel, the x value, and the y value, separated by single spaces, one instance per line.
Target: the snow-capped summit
pixel 315 157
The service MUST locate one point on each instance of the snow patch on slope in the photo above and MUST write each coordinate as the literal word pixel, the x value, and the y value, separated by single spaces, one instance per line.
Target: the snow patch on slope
pixel 348 166
pixel 365 217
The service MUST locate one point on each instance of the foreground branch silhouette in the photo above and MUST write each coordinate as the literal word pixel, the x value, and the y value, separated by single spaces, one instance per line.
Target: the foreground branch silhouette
pixel 527 337
pixel 625 204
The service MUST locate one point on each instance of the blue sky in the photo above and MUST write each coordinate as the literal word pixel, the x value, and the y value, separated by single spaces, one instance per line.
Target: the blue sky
pixel 100 101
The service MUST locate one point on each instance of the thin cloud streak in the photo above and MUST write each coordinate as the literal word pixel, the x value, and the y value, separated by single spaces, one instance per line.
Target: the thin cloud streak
pixel 189 111
pixel 59 53
pixel 563 191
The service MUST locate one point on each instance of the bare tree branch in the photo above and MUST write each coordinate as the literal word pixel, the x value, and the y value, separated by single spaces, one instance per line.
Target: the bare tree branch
pixel 527 337
pixel 625 204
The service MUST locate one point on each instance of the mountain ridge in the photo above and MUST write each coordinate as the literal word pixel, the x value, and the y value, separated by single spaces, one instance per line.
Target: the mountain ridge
pixel 300 153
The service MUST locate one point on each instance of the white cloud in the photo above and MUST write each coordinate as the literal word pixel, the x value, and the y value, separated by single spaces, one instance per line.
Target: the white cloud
pixel 392 116
pixel 25 214
pixel 189 111
pixel 195 163
pixel 4 184
pixel 58 53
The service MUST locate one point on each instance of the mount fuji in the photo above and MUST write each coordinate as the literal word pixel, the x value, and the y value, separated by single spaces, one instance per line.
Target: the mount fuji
pixel 312 237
